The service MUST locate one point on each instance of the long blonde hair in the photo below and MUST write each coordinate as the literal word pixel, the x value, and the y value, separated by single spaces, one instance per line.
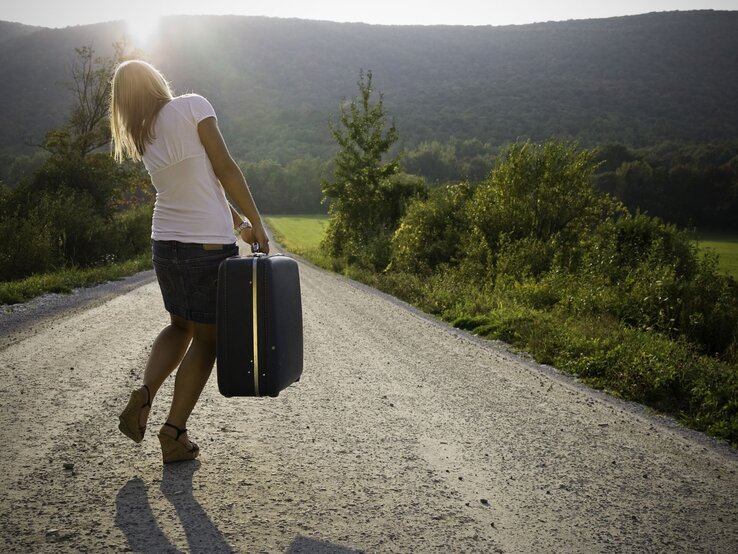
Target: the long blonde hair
pixel 138 92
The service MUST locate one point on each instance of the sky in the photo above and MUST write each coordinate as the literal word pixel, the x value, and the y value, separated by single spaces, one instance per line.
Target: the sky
pixel 63 13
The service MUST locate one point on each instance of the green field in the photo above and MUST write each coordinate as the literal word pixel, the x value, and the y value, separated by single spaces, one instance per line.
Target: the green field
pixel 726 247
pixel 298 233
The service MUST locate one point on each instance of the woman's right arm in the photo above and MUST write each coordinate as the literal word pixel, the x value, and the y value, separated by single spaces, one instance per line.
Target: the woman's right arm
pixel 231 177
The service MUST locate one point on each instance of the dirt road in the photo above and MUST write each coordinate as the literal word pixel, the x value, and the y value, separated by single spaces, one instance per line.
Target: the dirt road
pixel 403 435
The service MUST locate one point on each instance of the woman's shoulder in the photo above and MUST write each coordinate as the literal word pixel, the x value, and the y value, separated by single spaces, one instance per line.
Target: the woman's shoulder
pixel 190 97
pixel 194 104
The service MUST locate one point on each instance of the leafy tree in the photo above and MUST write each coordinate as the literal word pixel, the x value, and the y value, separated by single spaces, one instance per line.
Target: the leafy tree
pixel 365 202
pixel 434 161
pixel 91 82
pixel 292 188
pixel 685 184
pixel 76 161
pixel 450 162
pixel 87 127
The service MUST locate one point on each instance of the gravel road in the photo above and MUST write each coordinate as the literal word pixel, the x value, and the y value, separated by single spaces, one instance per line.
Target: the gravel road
pixel 404 435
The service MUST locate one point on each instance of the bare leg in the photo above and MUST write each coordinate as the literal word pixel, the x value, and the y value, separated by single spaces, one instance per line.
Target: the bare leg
pixel 166 353
pixel 192 375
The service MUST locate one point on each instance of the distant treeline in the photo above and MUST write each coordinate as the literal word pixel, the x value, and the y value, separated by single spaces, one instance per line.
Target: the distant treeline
pixel 686 184
pixel 291 188
pixel 690 185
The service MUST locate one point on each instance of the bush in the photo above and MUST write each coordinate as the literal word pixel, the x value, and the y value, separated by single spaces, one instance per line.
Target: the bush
pixel 660 282
pixel 130 233
pixel 628 242
pixel 528 257
pixel 64 229
pixel 431 232
pixel 27 244
pixel 538 192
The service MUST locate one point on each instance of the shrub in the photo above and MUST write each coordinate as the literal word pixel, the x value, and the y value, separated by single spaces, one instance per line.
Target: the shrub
pixel 27 244
pixel 63 229
pixel 431 232
pixel 538 192
pixel 130 233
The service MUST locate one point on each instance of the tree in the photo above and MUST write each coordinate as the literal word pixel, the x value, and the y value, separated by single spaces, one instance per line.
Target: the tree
pixel 68 211
pixel 77 161
pixel 434 161
pixel 87 128
pixel 364 200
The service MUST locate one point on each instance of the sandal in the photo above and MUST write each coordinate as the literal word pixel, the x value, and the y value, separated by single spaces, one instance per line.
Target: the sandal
pixel 130 418
pixel 172 450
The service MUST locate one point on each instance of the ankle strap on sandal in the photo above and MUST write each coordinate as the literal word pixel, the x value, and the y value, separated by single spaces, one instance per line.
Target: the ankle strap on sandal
pixel 180 432
pixel 148 396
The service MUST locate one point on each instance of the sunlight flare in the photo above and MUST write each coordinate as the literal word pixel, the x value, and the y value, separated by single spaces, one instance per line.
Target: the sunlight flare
pixel 142 28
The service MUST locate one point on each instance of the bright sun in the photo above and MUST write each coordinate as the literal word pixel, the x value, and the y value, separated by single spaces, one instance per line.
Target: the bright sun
pixel 142 28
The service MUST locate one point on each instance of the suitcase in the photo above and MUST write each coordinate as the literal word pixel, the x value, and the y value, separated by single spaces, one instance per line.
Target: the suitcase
pixel 259 325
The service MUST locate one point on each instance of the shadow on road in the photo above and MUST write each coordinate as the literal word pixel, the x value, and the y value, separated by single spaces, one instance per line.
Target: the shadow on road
pixel 202 534
pixel 135 518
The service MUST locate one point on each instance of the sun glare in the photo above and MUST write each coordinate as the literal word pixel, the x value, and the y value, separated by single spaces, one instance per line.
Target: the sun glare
pixel 142 29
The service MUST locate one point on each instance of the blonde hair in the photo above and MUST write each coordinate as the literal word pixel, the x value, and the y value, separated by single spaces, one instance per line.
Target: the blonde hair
pixel 138 92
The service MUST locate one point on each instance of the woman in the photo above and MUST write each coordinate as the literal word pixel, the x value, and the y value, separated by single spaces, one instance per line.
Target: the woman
pixel 179 142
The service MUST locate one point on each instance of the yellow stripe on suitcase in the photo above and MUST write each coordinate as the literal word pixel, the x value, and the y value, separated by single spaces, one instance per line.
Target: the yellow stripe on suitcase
pixel 255 330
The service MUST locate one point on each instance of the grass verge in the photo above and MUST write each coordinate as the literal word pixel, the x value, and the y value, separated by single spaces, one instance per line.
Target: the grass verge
pixel 66 280
pixel 640 365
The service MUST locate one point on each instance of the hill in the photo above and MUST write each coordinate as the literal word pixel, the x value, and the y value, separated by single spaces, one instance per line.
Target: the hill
pixel 276 82
pixel 10 30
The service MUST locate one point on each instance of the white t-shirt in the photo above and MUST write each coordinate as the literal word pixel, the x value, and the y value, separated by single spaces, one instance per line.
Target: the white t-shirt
pixel 190 202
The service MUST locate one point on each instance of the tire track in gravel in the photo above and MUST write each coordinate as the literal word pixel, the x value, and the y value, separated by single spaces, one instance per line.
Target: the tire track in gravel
pixel 404 435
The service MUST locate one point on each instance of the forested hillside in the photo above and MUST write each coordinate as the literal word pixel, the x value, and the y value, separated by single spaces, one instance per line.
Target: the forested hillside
pixel 276 82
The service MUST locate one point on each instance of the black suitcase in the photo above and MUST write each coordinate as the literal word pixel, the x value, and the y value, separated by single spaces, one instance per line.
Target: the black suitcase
pixel 259 325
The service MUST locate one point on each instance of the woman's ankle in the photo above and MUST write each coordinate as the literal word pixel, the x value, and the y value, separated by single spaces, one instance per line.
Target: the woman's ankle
pixel 173 430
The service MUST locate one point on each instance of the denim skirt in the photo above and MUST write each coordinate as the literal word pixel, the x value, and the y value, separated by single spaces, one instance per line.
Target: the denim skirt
pixel 188 277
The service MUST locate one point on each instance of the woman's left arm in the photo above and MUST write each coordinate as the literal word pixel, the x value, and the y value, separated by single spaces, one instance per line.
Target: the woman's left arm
pixel 233 181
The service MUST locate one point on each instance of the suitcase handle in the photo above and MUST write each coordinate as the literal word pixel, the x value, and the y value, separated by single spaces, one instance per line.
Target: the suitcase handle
pixel 255 247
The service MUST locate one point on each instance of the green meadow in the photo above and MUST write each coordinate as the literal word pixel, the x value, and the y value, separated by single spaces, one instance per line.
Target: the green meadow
pixel 298 233
pixel 725 246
